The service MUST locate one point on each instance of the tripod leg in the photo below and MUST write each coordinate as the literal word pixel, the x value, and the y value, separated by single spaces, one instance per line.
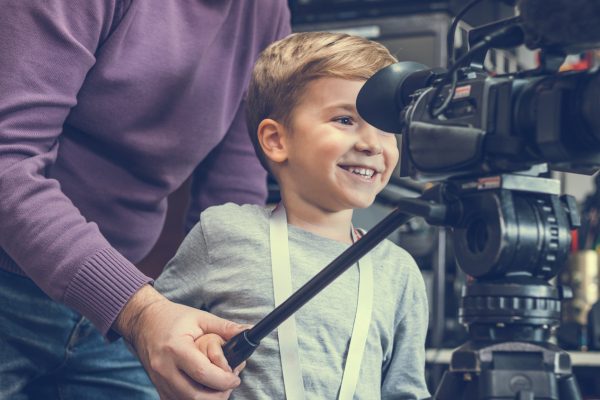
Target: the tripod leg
pixel 451 384
pixel 568 388
pixel 525 395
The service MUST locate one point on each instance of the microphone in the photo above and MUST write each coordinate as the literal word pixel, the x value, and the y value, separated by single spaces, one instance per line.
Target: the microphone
pixel 565 26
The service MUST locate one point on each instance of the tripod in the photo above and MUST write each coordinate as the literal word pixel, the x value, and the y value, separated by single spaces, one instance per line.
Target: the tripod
pixel 511 234
pixel 509 355
pixel 511 240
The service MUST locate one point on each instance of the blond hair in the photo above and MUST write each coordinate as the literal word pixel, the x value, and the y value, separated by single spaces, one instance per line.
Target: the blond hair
pixel 285 68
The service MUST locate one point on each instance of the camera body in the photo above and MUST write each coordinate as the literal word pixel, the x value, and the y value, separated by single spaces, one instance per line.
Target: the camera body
pixel 488 145
pixel 502 124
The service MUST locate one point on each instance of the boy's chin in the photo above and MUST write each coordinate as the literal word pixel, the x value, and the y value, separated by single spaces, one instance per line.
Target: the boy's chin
pixel 364 204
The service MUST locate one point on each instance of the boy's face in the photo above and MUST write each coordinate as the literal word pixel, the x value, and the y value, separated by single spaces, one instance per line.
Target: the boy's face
pixel 336 161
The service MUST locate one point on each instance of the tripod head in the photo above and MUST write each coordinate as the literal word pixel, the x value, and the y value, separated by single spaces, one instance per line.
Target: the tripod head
pixel 508 224
pixel 511 234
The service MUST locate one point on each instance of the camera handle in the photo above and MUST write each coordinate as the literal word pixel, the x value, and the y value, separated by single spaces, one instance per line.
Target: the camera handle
pixel 241 346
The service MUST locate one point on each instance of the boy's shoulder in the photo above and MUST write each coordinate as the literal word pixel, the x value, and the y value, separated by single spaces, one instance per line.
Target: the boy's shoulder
pixel 398 273
pixel 395 260
pixel 233 209
pixel 233 217
pixel 387 249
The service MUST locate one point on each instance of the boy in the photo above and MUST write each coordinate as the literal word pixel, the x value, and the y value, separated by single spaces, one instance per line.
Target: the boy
pixel 327 161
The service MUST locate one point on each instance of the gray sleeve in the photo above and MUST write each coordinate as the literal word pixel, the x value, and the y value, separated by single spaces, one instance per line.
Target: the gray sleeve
pixel 404 373
pixel 181 281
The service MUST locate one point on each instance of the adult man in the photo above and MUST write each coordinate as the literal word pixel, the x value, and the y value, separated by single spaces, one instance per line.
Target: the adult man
pixel 106 108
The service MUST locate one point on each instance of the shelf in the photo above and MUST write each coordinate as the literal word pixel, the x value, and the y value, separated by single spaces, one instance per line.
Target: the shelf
pixel 578 358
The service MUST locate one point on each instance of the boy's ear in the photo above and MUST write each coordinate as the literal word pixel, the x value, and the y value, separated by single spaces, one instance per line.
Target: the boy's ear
pixel 273 140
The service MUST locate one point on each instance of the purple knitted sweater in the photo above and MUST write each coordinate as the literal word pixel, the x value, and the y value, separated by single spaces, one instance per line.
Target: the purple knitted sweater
pixel 106 107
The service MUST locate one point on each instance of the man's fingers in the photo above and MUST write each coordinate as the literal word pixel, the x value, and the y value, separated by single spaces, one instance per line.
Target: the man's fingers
pixel 212 346
pixel 185 388
pixel 199 368
pixel 179 384
pixel 239 368
pixel 214 351
pixel 222 327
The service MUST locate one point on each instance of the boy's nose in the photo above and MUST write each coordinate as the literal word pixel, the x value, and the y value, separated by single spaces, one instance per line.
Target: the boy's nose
pixel 369 141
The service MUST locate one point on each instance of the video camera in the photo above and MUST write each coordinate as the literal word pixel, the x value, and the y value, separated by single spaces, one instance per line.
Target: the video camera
pixel 486 138
pixel 488 124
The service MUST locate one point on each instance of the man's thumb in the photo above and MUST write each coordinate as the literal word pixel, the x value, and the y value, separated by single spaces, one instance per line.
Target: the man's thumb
pixel 212 324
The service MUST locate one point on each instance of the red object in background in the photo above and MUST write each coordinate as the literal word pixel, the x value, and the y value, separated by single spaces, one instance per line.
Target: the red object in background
pixel 579 62
pixel 574 240
pixel 575 62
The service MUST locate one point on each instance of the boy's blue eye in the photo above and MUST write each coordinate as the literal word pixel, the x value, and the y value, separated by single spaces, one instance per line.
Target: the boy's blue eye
pixel 344 120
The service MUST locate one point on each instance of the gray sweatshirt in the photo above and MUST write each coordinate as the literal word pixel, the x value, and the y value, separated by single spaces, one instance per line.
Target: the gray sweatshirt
pixel 224 267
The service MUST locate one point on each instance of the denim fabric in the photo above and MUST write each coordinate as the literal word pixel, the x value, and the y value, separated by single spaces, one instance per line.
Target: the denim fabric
pixel 48 351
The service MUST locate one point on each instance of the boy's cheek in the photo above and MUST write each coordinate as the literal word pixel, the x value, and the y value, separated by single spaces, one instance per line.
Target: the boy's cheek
pixel 385 180
pixel 389 142
pixel 394 157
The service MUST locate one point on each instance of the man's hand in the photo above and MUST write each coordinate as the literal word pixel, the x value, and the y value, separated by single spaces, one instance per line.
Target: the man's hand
pixel 163 334
pixel 211 346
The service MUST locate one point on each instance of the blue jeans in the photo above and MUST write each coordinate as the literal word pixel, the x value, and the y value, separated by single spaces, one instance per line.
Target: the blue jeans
pixel 48 351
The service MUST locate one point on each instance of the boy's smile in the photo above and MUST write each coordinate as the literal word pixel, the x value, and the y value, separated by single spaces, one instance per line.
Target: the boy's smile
pixel 335 160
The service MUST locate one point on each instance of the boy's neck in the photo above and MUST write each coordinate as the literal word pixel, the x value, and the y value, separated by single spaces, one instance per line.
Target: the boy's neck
pixel 332 225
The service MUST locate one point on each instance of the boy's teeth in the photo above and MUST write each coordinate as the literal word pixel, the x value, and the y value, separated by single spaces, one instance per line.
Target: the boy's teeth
pixel 362 171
